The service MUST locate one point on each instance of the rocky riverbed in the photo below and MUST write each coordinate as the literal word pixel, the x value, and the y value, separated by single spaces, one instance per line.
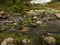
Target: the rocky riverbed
pixel 28 24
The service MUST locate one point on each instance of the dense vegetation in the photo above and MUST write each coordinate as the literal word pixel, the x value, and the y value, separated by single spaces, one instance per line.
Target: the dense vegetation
pixel 17 5
pixel 14 5
pixel 54 1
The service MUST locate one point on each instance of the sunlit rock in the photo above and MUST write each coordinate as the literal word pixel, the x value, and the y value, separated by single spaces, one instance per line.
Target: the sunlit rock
pixel 2 12
pixel 3 28
pixel 31 13
pixel 39 22
pixel 26 41
pixel 8 41
pixel 15 23
pixel 58 15
pixel 3 15
pixel 49 40
pixel 35 17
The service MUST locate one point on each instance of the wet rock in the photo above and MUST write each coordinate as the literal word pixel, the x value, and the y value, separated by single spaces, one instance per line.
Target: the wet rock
pixel 5 17
pixel 26 29
pixel 33 25
pixel 14 15
pixel 53 26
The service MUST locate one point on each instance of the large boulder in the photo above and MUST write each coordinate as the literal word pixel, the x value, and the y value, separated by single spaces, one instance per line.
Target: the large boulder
pixel 58 15
pixel 8 41
pixel 49 40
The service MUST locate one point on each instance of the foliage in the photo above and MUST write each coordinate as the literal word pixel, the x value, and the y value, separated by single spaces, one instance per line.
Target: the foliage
pixel 57 39
pixel 55 0
pixel 14 5
pixel 53 6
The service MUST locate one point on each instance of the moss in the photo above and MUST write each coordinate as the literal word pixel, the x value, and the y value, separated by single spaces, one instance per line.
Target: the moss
pixel 57 39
